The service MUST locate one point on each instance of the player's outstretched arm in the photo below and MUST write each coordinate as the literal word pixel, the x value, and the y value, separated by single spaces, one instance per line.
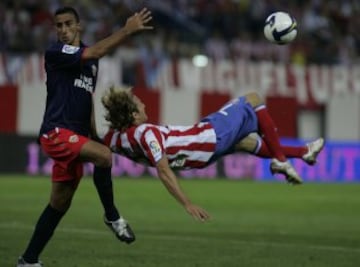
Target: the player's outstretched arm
pixel 137 22
pixel 168 177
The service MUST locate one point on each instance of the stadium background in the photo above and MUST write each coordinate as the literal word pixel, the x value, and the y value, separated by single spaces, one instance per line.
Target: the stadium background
pixel 312 86
pixel 312 89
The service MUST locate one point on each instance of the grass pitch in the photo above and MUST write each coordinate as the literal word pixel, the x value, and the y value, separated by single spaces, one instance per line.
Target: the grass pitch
pixel 253 224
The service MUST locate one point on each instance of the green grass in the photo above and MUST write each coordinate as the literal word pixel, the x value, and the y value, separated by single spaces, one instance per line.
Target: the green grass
pixel 253 224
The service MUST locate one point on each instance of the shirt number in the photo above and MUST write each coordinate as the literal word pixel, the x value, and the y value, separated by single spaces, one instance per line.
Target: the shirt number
pixel 224 108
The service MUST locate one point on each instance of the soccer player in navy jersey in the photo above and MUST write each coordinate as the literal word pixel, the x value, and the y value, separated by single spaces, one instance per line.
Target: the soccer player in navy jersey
pixel 68 129
pixel 196 146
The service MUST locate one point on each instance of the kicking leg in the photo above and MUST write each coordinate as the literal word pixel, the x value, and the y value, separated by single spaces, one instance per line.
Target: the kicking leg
pixel 308 153
pixel 267 130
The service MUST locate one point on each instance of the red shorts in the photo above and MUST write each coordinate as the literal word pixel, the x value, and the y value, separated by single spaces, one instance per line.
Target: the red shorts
pixel 64 146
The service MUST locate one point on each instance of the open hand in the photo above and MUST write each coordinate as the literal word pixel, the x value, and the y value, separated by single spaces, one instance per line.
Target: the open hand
pixel 197 212
pixel 138 21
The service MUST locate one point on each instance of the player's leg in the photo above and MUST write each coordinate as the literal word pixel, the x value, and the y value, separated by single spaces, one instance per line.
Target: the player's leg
pixel 63 146
pixel 101 156
pixel 60 201
pixel 267 127
pixel 104 186
pixel 117 224
pixel 256 146
pixel 267 130
pixel 96 153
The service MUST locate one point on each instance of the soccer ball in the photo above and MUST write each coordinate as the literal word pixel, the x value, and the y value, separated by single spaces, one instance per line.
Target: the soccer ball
pixel 280 28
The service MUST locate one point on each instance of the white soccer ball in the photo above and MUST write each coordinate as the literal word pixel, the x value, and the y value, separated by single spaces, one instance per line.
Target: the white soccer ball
pixel 280 28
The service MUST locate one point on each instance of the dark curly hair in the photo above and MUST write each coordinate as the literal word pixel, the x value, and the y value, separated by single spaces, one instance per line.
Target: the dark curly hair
pixel 119 106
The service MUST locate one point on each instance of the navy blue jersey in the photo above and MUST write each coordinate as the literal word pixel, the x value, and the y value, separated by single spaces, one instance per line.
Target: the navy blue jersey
pixel 70 84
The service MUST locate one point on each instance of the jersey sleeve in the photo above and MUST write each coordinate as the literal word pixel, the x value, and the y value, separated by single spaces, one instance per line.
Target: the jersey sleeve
pixel 108 137
pixel 153 144
pixel 62 55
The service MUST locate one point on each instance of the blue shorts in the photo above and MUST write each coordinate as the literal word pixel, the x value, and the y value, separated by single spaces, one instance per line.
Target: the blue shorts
pixel 233 122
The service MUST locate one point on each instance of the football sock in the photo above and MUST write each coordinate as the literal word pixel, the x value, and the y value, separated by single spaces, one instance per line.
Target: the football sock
pixel 289 151
pixel 269 134
pixel 44 229
pixel 103 183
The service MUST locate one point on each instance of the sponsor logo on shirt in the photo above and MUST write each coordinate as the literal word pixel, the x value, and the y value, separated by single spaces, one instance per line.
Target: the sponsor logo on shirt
pixel 70 49
pixel 85 83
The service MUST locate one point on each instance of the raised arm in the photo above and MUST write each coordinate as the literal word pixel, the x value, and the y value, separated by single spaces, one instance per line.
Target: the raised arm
pixel 169 179
pixel 135 23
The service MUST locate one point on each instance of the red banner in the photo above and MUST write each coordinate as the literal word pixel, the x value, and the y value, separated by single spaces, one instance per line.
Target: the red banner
pixel 8 108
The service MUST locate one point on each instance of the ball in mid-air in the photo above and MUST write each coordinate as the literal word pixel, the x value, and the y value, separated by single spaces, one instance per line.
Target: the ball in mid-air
pixel 280 28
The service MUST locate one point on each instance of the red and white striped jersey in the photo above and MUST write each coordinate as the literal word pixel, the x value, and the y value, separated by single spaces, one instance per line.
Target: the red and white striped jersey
pixel 185 146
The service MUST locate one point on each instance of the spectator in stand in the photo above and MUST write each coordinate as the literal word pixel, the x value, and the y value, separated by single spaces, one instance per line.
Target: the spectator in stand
pixel 334 23
pixel 216 48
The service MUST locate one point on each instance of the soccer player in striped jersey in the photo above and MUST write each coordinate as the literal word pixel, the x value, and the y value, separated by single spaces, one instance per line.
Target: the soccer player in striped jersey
pixel 182 147
pixel 68 130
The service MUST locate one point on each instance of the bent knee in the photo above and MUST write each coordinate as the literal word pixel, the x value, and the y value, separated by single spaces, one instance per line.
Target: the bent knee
pixel 105 160
pixel 254 99
pixel 96 153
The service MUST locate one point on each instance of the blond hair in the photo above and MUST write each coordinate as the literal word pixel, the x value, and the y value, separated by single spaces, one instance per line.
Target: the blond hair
pixel 119 106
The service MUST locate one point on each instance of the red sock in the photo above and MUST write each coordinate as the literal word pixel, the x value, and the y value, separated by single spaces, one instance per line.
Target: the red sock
pixel 268 131
pixel 289 151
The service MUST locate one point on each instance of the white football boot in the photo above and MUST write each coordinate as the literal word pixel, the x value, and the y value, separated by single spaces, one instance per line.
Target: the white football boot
pixel 314 148
pixel 121 229
pixel 22 263
pixel 287 169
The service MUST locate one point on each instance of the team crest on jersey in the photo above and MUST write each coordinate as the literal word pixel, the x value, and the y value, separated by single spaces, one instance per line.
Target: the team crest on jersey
pixel 94 70
pixel 74 139
pixel 155 147
pixel 70 49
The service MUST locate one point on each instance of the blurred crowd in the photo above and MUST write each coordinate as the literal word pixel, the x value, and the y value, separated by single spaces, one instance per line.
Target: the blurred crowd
pixel 220 29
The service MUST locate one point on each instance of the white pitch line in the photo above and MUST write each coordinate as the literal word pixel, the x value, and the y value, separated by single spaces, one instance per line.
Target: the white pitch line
pixel 16 225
